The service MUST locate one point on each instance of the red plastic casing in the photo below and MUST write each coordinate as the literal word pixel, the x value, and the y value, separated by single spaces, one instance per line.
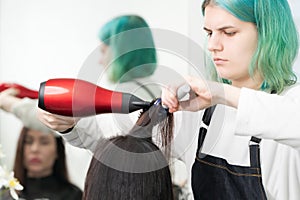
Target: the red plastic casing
pixel 75 97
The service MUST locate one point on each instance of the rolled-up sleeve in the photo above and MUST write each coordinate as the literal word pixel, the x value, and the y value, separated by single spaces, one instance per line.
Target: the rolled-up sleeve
pixel 85 134
pixel 26 111
pixel 270 116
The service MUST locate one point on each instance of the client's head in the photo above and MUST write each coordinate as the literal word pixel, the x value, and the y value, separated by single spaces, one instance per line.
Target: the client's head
pixel 128 168
pixel 157 123
pixel 131 167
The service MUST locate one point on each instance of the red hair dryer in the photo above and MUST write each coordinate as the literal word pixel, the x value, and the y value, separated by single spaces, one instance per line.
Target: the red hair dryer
pixel 23 91
pixel 79 98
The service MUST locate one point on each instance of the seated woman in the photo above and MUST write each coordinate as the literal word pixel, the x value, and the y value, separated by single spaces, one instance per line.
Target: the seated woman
pixel 132 167
pixel 40 162
pixel 40 166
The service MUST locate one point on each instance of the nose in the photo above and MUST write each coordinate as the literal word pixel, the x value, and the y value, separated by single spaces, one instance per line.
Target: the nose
pixel 34 146
pixel 215 43
pixel 101 61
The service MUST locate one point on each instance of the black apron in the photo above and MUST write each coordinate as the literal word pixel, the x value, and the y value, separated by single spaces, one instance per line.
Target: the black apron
pixel 214 178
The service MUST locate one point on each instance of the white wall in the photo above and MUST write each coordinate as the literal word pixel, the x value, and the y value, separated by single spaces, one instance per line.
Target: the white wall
pixel 42 39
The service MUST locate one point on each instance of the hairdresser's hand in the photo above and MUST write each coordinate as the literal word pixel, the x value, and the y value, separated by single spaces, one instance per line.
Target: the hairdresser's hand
pixel 8 92
pixel 200 96
pixel 8 99
pixel 204 94
pixel 56 122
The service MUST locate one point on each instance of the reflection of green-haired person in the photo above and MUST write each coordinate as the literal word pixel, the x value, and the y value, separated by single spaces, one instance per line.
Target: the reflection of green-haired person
pixel 131 48
pixel 128 56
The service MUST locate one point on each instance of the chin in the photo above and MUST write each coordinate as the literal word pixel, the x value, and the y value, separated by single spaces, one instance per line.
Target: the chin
pixel 224 77
pixel 36 171
pixel 221 74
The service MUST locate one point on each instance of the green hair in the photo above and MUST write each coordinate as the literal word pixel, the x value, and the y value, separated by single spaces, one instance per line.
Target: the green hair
pixel 133 51
pixel 278 41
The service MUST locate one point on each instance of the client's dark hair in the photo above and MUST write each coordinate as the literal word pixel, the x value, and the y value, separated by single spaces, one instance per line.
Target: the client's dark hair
pixel 132 167
pixel 156 116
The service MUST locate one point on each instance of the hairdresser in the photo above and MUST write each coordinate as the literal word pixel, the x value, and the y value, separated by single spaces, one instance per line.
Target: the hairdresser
pixel 249 138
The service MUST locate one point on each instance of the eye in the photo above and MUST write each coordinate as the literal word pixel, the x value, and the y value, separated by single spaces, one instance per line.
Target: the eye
pixel 44 141
pixel 208 33
pixel 28 141
pixel 231 33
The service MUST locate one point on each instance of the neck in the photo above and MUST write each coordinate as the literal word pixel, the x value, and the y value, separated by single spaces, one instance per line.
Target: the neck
pixel 39 174
pixel 252 83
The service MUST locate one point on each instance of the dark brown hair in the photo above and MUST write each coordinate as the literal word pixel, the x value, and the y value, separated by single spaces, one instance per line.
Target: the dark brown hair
pixel 132 167
pixel 158 116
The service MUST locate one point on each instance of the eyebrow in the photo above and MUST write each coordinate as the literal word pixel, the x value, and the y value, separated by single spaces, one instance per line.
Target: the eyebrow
pixel 219 29
pixel 44 138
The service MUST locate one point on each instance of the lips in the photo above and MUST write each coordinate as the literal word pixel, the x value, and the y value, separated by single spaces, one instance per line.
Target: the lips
pixel 35 161
pixel 220 61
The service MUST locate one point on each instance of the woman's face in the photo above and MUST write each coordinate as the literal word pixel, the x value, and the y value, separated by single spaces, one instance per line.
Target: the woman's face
pixel 232 43
pixel 39 153
pixel 105 57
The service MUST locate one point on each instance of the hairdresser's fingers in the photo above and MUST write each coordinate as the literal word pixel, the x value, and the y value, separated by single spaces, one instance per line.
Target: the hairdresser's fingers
pixel 59 124
pixel 56 122
pixel 62 119
pixel 41 115
pixel 195 104
pixel 199 96
pixel 57 118
pixel 169 98
pixel 198 85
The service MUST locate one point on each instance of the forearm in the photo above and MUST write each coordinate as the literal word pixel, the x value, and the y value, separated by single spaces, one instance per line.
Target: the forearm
pixel 7 102
pixel 204 95
pixel 270 116
pixel 224 94
pixel 85 134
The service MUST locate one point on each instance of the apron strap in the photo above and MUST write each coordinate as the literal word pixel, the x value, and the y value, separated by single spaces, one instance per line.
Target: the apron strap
pixel 254 152
pixel 203 130
pixel 253 143
pixel 255 139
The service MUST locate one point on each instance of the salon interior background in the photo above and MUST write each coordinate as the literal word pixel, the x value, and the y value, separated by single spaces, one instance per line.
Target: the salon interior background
pixel 42 39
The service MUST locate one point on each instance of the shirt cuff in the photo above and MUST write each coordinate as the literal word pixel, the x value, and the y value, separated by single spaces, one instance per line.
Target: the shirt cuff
pixel 246 113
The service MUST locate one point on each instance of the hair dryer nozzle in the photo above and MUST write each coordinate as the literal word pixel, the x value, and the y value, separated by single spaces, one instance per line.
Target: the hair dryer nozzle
pixel 132 103
pixel 144 104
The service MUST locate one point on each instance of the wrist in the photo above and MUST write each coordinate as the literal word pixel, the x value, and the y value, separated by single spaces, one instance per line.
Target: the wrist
pixel 217 93
pixel 231 95
pixel 224 94
pixel 67 131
